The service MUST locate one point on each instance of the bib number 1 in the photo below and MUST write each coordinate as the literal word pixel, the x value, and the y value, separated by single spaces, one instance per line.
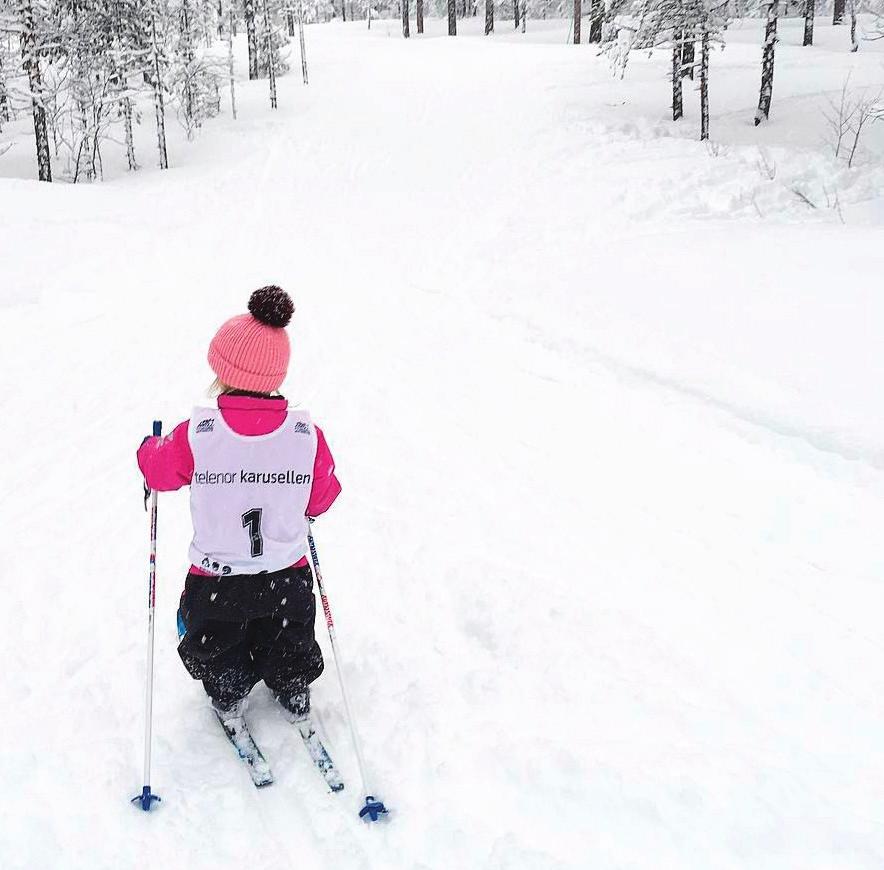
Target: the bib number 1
pixel 251 520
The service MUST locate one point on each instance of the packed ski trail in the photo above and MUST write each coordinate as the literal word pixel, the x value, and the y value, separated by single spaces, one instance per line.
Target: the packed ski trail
pixel 605 570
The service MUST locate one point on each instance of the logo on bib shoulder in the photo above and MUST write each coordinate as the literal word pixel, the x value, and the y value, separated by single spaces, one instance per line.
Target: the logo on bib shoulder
pixel 302 428
pixel 207 425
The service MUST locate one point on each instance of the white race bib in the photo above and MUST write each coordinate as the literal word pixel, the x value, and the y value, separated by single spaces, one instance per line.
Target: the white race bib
pixel 249 493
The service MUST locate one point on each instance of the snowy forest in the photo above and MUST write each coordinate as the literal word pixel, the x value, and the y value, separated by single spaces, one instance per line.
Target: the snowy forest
pixel 87 72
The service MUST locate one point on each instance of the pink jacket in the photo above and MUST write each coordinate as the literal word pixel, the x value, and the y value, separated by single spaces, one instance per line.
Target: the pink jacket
pixel 167 462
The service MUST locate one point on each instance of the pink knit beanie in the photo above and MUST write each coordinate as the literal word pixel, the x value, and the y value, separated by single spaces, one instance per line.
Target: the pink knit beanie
pixel 251 351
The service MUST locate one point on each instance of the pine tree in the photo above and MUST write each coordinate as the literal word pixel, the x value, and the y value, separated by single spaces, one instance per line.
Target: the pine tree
pixel 97 58
pixel 672 24
pixel 77 49
pixel 127 58
pixel 275 46
pixel 193 75
pixel 596 18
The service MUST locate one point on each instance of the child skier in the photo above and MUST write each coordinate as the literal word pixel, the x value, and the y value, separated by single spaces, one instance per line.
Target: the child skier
pixel 256 469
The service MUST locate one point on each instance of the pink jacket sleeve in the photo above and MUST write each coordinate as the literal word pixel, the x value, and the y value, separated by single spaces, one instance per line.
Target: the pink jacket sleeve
pixel 166 461
pixel 325 485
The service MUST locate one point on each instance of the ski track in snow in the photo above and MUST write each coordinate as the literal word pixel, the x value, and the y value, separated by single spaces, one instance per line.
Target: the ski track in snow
pixel 605 570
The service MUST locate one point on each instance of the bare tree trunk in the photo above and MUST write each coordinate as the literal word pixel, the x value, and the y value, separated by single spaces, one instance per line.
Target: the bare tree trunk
pixel 596 16
pixel 515 14
pixel 121 85
pixel 130 139
pixel 230 62
pixel 854 45
pixel 344 10
pixel 159 106
pixel 252 37
pixel 688 56
pixel 578 12
pixel 767 62
pixel 4 97
pixel 419 14
pixel 704 86
pixel 186 49
pixel 406 28
pixel 82 98
pixel 838 12
pixel 489 17
pixel 677 99
pixel 301 39
pixel 52 119
pixel 452 17
pixel 31 66
pixel 207 30
pixel 84 150
pixel 524 13
pixel 271 61
pixel 808 21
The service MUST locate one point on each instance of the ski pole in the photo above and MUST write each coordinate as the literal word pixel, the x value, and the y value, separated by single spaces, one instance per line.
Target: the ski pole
pixel 147 798
pixel 373 808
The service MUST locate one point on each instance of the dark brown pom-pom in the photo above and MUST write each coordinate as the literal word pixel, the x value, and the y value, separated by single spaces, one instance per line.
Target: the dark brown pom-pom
pixel 272 305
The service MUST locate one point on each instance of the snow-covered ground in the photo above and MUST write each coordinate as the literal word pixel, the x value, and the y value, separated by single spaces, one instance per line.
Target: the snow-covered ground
pixel 605 405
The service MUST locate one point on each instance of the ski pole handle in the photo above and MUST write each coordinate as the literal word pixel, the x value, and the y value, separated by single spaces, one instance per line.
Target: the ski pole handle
pixel 157 431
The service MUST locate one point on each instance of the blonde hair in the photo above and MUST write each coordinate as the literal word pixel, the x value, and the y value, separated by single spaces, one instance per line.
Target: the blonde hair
pixel 219 388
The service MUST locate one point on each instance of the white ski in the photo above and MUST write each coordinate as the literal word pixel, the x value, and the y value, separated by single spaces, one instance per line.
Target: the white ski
pixel 238 734
pixel 318 754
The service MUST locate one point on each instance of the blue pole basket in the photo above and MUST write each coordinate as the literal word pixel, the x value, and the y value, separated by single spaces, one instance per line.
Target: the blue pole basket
pixel 374 810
